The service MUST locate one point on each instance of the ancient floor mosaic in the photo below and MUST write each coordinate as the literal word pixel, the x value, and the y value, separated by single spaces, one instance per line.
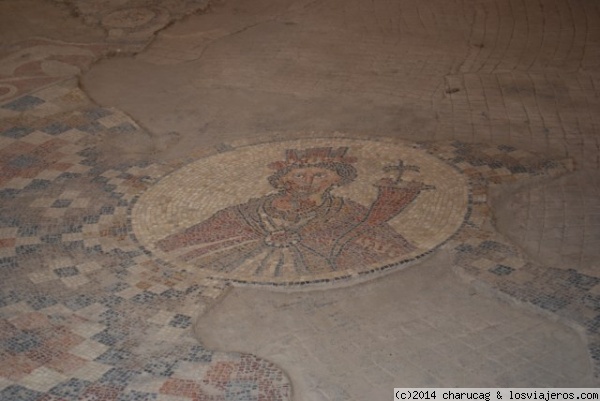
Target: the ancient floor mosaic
pixel 306 211
pixel 105 265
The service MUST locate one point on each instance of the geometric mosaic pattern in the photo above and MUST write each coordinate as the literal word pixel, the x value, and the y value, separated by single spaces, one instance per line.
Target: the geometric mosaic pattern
pixel 86 313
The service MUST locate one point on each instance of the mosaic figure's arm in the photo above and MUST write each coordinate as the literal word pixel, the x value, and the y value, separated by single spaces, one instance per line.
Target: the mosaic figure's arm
pixel 223 225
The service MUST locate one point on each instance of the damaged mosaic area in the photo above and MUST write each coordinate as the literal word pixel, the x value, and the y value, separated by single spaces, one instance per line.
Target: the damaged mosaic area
pixel 328 210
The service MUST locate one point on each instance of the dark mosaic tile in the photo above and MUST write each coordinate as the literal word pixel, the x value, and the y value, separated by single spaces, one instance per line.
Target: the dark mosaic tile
pixel 464 248
pixel 68 271
pixel 114 357
pixel 24 342
pixel 502 270
pixel 495 246
pixel 110 337
pixel 24 161
pixel 506 148
pixel 9 297
pixel 32 249
pixel 19 393
pixel 242 390
pixel 518 169
pixel 8 263
pixel 160 367
pixel 51 238
pixel 72 246
pixel 591 301
pixel 91 219
pixel 110 301
pixel 181 321
pixel 594 349
pixel 123 128
pixel 582 281
pixel 17 132
pixel 593 325
pixel 172 293
pixel 38 184
pixel 8 221
pixel 197 353
pixel 111 316
pixel 116 287
pixel 79 301
pixel 107 210
pixel 94 114
pixel 9 193
pixel 28 230
pixel 72 228
pixel 70 389
pixel 56 128
pixel 144 297
pixel 23 103
pixel 67 176
pixel 118 377
pixel 38 302
pixel 550 302
pixel 91 128
pixel 61 203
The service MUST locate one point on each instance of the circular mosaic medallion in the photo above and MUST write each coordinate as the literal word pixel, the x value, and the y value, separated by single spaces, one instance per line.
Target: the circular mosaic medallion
pixel 305 211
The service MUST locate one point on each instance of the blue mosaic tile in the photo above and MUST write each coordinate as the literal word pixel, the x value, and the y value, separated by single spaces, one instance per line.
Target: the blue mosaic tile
pixel 28 249
pixel 67 176
pixel 94 114
pixel 9 193
pixel 56 128
pixel 241 390
pixel 181 321
pixel 591 301
pixel 24 161
pixel 110 301
pixel 91 128
pixel 550 302
pixel 51 238
pixel 38 302
pixel 68 271
pixel 70 389
pixel 123 128
pixel 28 230
pixel 9 297
pixel 113 356
pixel 502 270
pixel 8 263
pixel 91 219
pixel 72 246
pixel 61 203
pixel 144 297
pixel 38 184
pixel 172 293
pixel 110 316
pixel 23 342
pixel 118 377
pixel 19 393
pixel 107 210
pixel 23 103
pixel 582 281
pixel 197 353
pixel 118 286
pixel 137 396
pixel 160 367
pixel 17 132
pixel 79 301
pixel 110 337
pixel 8 221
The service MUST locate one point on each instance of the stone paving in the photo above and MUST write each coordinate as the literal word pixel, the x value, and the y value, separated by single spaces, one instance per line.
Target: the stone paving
pixel 109 256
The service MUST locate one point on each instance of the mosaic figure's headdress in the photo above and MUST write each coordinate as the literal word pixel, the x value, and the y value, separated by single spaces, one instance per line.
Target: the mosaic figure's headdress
pixel 329 158
pixel 313 157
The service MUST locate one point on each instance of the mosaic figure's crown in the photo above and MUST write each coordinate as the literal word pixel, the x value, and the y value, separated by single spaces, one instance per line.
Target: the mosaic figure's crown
pixel 313 156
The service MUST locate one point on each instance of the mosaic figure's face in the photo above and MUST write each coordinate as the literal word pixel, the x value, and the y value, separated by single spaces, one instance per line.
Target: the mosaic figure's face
pixel 309 180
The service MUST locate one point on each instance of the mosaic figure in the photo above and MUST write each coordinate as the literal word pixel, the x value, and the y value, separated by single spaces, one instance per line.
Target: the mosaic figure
pixel 302 228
